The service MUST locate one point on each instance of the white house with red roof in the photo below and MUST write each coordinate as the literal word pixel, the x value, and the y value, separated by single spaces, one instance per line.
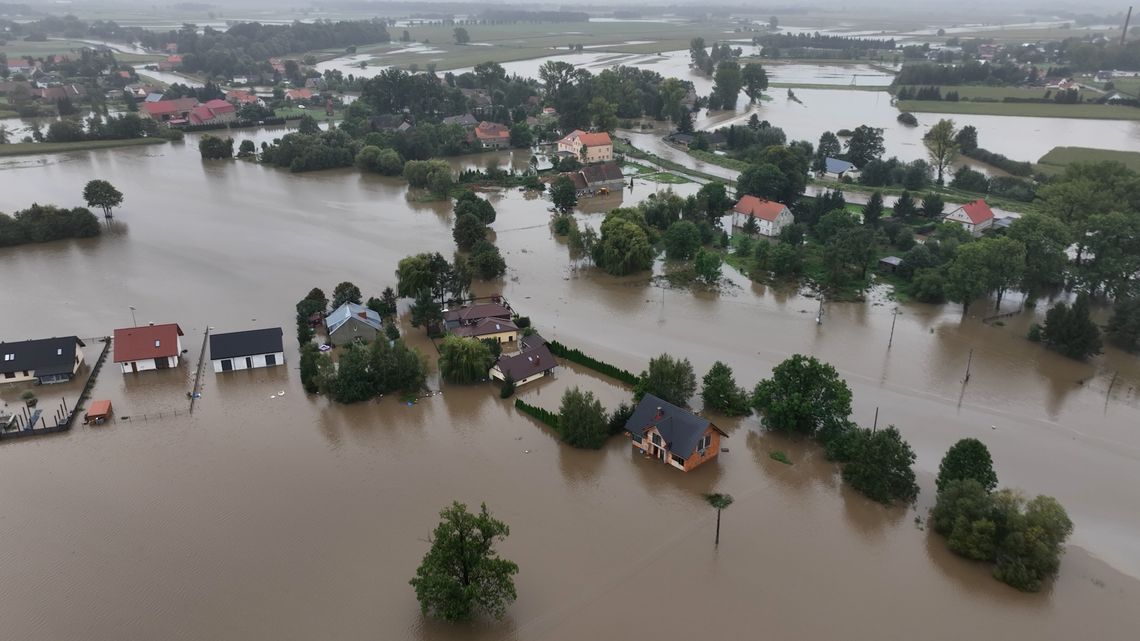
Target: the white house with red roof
pixel 974 217
pixel 138 349
pixel 771 216
pixel 587 147
pixel 300 95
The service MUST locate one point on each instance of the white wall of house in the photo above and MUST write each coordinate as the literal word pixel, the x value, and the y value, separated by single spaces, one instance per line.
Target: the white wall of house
pixel 765 227
pixel 18 377
pixel 249 362
pixel 498 375
pixel 960 217
pixel 148 364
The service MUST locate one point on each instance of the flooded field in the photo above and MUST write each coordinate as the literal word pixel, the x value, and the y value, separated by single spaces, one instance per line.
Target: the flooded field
pixel 281 516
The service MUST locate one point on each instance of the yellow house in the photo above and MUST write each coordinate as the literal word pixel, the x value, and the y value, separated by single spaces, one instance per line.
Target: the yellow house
pixel 587 147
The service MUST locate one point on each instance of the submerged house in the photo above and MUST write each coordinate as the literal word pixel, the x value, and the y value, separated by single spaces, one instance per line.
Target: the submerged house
pixel 587 147
pixel 351 322
pixel 532 363
pixel 45 360
pixel 247 350
pixel 498 329
pixel 140 349
pixel 473 314
pixel 836 169
pixel 673 435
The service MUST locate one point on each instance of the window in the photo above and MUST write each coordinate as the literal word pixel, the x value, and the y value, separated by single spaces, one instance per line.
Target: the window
pixel 9 357
pixel 157 343
pixel 657 439
pixel 9 374
pixel 270 359
pixel 678 460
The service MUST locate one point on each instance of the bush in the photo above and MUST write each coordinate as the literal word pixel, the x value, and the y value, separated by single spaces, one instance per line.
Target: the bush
pixel 42 223
pixel 508 388
pixel 537 413
pixel 780 456
pixel 214 148
pixel 576 356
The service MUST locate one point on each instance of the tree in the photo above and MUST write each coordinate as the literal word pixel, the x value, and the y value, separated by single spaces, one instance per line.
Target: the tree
pixel 469 203
pixel 5 135
pixel 1071 331
pixel 468 231
pixel 720 392
pixel 766 181
pixel 424 309
pixel 873 210
pixel 932 206
pixel 727 83
pixel 685 122
pixel 462 575
pixel 345 292
pixel 461 36
pixel 865 145
pixel 508 388
pixel 316 294
pixel 521 136
pixel 829 147
pixel 803 396
pixel 941 146
pixel 464 360
pixel 964 514
pixel 380 160
pixel 603 114
pixel 967 139
pixel 214 148
pixel 755 80
pixel 310 354
pixel 719 502
pixel 1045 240
pixel 1124 327
pixel 1031 551
pixel 563 194
pixel 904 206
pixel 879 466
pixel 623 247
pixel 102 194
pixel 669 379
pixel 681 240
pixel 387 303
pixel 486 261
pixel 967 459
pixel 707 265
pixel 582 420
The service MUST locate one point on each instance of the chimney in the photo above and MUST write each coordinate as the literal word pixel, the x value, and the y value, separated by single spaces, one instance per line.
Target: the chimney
pixel 363 315
pixel 660 414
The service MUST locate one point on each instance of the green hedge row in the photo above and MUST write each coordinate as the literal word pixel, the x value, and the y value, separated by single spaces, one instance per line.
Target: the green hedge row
pixel 537 413
pixel 576 356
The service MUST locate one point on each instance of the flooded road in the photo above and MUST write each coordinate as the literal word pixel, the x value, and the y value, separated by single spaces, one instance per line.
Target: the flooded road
pixel 269 516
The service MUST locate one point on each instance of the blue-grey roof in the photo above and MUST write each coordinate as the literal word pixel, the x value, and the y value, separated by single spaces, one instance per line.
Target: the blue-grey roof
pixel 681 429
pixel 348 311
pixel 837 166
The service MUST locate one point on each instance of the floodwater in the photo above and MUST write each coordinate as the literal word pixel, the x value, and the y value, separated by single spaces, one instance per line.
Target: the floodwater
pixel 285 517
pixel 814 111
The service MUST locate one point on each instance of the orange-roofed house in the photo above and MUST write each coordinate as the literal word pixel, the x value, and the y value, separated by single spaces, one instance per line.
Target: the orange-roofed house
pixel 241 97
pixel 301 95
pixel 139 349
pixel 974 217
pixel 771 216
pixel 587 147
pixel 171 63
pixel 492 135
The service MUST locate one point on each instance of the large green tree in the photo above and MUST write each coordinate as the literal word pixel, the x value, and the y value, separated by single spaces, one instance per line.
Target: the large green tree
pixel 967 459
pixel 1124 327
pixel 803 396
pixel 102 194
pixel 669 379
pixel 1071 331
pixel 582 420
pixel 755 79
pixel 720 392
pixel 942 146
pixel 563 194
pixel 1045 239
pixel 345 292
pixel 462 575
pixel 865 145
pixel 879 466
pixel 706 265
pixel 681 240
pixel 468 231
pixel 464 360
pixel 727 82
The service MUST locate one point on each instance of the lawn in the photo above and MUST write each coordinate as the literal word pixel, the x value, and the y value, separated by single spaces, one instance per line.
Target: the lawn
pixel 1043 110
pixel 34 148
pixel 1060 157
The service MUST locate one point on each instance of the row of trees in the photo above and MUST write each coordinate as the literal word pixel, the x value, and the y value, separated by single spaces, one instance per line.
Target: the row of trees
pixel 42 223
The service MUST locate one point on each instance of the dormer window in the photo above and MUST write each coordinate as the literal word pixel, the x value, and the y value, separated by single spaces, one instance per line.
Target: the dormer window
pixel 9 357
pixel 157 343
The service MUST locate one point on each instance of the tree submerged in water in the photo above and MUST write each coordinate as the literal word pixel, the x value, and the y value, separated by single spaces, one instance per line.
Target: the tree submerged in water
pixel 462 575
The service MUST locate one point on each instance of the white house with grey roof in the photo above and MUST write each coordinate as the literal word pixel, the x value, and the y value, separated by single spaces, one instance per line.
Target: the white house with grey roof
pixel 247 350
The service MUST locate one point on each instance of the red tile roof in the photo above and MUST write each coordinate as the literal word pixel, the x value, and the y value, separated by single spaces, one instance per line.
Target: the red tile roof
pixel 170 107
pixel 299 94
pixel 142 343
pixel 977 211
pixel 492 131
pixel 598 139
pixel 759 208
pixel 241 96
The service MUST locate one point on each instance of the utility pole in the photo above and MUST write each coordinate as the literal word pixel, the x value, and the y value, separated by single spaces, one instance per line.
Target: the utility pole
pixel 875 426
pixel 968 362
pixel 894 317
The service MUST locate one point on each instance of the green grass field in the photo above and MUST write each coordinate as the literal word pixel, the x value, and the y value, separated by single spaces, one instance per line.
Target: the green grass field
pixel 19 48
pixel 35 148
pixel 1043 110
pixel 506 43
pixel 1060 157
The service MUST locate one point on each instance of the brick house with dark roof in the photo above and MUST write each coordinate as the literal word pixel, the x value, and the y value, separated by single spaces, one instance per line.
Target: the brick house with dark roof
pixel 672 435
pixel 532 363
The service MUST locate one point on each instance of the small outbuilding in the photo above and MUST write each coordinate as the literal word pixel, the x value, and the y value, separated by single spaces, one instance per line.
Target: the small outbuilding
pixel 250 349
pixel 890 263
pixel 97 413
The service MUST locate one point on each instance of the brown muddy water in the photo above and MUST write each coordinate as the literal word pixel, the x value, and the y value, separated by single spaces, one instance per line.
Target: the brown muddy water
pixel 266 516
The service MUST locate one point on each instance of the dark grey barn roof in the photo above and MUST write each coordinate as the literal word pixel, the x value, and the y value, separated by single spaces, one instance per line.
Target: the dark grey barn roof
pixel 44 356
pixel 681 429
pixel 251 342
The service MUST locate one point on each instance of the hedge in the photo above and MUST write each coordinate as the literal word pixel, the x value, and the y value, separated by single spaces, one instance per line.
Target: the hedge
pixel 537 413
pixel 576 356
pixel 1013 167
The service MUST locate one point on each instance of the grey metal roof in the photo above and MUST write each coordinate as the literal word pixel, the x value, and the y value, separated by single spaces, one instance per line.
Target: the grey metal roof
pixel 253 342
pixel 891 260
pixel 44 356
pixel 350 311
pixel 837 166
pixel 681 429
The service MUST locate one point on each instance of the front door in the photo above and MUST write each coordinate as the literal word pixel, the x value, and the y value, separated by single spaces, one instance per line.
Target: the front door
pixel 162 363
pixel 270 360
pixel 248 362
pixel 227 365
pixel 134 367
